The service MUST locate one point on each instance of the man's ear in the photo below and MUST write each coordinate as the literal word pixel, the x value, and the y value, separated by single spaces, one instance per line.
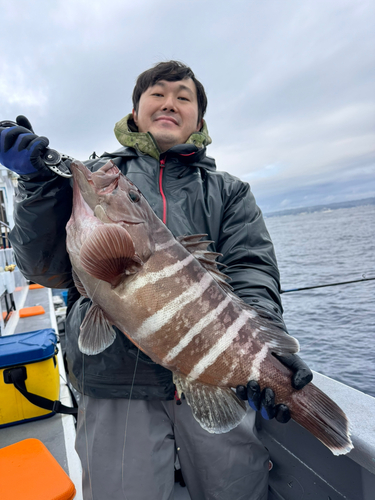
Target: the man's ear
pixel 199 126
pixel 135 117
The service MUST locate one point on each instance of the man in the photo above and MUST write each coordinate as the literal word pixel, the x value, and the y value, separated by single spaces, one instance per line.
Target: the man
pixel 129 427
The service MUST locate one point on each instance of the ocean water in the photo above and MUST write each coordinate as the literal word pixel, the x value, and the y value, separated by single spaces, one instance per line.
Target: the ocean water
pixel 336 325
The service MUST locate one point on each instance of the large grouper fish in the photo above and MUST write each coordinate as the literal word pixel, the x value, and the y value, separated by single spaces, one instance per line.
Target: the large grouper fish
pixel 169 298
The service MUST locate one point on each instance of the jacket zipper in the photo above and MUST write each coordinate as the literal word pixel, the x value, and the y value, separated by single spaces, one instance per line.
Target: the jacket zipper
pixel 162 165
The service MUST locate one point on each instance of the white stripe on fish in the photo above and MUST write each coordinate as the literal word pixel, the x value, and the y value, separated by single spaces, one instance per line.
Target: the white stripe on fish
pixel 227 377
pixel 197 328
pixel 151 278
pixel 163 246
pixel 220 346
pixel 256 362
pixel 165 315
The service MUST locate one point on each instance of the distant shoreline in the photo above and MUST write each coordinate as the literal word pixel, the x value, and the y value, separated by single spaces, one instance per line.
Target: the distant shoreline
pixel 319 208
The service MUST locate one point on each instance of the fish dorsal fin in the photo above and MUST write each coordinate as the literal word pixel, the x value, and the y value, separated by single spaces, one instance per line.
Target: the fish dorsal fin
pixel 207 259
pixel 217 409
pixel 108 254
pixel 192 242
pixel 78 284
pixel 97 333
pixel 221 279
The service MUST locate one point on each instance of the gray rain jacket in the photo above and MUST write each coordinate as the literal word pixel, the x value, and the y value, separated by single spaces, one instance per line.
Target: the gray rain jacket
pixel 186 191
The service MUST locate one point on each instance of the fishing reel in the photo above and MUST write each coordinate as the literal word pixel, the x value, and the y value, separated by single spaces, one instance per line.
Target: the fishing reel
pixel 54 160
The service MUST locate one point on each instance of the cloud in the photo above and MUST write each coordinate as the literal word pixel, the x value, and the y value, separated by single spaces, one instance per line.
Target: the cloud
pixel 15 89
pixel 290 84
pixel 268 171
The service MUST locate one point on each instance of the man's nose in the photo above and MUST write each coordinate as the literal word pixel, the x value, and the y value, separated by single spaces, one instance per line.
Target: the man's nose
pixel 169 104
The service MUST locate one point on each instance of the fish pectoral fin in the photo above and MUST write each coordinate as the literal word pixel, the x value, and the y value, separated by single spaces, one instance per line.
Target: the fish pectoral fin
pixel 217 409
pixel 109 254
pixel 97 333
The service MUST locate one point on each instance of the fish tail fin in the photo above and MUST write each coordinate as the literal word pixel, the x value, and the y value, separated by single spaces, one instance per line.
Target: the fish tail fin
pixel 321 416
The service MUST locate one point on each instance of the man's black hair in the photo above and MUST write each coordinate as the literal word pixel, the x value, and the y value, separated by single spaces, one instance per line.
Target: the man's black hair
pixel 171 71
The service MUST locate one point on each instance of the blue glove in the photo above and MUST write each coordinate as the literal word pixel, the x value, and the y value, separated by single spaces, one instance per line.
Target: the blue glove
pixel 264 401
pixel 20 149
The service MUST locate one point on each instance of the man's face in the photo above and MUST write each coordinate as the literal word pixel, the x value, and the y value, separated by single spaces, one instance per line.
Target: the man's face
pixel 169 111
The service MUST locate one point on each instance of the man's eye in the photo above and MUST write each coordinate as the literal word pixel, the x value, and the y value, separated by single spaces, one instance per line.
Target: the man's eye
pixel 156 94
pixel 183 98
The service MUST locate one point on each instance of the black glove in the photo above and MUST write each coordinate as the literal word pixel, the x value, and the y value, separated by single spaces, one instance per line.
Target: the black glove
pixel 264 401
pixel 302 374
pixel 20 149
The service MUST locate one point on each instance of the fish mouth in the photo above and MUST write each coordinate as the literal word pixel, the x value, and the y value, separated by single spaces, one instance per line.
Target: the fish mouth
pixel 94 186
pixel 105 190
pixel 103 181
pixel 123 222
pixel 100 213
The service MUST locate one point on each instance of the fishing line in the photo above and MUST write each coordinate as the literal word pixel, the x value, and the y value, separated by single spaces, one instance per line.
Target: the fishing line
pixel 84 421
pixel 84 410
pixel 92 298
pixel 126 424
pixel 323 286
pixel 84 407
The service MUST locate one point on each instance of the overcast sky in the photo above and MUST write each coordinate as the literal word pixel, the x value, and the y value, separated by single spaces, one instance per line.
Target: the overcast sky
pixel 290 83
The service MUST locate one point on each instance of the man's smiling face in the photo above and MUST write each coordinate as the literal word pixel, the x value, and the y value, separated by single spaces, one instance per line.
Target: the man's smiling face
pixel 169 111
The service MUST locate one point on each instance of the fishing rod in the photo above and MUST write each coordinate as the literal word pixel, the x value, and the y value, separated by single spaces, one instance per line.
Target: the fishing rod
pixel 5 236
pixel 323 286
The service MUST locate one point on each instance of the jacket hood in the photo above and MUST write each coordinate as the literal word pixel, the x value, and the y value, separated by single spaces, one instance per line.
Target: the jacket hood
pixel 127 134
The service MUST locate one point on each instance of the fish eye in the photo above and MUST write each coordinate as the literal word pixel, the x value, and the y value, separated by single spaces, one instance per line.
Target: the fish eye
pixel 134 196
